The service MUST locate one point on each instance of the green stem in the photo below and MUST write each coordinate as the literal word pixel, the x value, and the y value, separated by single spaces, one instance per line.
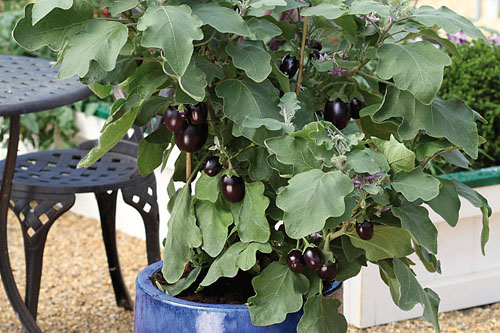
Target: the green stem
pixel 197 168
pixel 243 149
pixel 208 40
pixel 372 77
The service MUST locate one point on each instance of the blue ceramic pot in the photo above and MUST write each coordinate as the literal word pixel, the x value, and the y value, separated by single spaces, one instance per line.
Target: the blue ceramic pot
pixel 155 311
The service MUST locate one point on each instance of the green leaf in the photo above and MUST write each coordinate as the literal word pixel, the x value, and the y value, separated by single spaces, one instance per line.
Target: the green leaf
pixel 477 200
pixel 259 168
pixel 208 188
pixel 262 29
pixel 416 185
pixel 326 10
pixel 311 198
pixel 246 98
pixel 42 7
pixel 448 20
pixel 260 3
pixel 427 147
pixel 417 67
pixel 366 7
pixel 146 80
pixel 447 204
pixel 412 293
pixel 415 220
pixel 213 222
pixel 100 90
pixel 173 29
pixel 210 69
pixel 124 68
pixel 113 132
pixel 183 235
pixel 119 6
pixel 387 242
pixel 278 292
pixel 222 19
pixel 349 268
pixel 51 30
pixel 444 42
pixel 193 82
pixel 225 265
pixel 289 105
pixel 149 108
pixel 399 157
pixel 255 61
pixel 367 161
pixel 247 258
pixel 250 214
pixel 334 222
pixel 150 150
pixel 181 285
pixel 321 316
pixel 100 41
pixel 293 151
pixel 450 119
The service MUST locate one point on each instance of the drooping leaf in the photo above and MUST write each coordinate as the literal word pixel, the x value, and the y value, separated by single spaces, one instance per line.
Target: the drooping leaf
pixel 113 131
pixel 42 7
pixel 450 119
pixel 387 242
pixel 367 161
pixel 289 105
pixel 222 19
pixel 398 156
pixel 248 257
pixel 447 204
pixel 119 6
pixel 246 98
pixel 416 67
pixel 192 83
pixel 260 3
pixel 149 108
pixel 250 214
pixel 124 68
pixel 278 292
pixel 213 222
pixel 254 60
pixel 210 69
pixel 477 200
pixel 100 41
pixel 263 29
pixel 428 147
pixel 412 293
pixel 321 316
pixel 416 185
pixel 368 6
pixel 225 265
pixel 183 235
pixel 415 220
pixel 311 198
pixel 173 29
pixel 447 19
pixel 51 30
pixel 181 285
pixel 150 150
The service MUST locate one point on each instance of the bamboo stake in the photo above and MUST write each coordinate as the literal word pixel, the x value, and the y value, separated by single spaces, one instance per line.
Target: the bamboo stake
pixel 188 166
pixel 302 48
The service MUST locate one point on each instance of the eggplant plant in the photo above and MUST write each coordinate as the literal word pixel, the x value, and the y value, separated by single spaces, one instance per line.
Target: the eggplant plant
pixel 305 127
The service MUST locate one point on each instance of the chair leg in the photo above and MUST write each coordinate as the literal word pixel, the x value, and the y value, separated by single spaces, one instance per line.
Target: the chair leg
pixel 107 212
pixel 144 199
pixel 37 217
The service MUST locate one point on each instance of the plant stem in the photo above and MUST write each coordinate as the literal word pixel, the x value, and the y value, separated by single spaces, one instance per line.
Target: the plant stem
pixel 372 77
pixel 302 48
pixel 243 149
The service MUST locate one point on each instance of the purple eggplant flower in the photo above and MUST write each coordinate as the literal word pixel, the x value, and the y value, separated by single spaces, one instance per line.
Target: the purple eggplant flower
pixel 323 57
pixel 339 71
pixel 373 177
pixel 460 38
pixel 386 208
pixel 495 39
pixel 357 184
pixel 371 17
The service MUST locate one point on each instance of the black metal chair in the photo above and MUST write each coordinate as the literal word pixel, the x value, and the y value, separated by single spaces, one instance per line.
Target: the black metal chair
pixel 44 188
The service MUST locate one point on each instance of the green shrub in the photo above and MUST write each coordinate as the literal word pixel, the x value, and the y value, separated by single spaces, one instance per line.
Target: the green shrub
pixel 476 80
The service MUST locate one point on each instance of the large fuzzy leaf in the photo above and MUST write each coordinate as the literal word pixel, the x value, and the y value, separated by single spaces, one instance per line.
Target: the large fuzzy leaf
pixel 213 222
pixel 294 152
pixel 54 28
pixel 42 7
pixel 398 156
pixel 100 41
pixel 447 204
pixel 321 316
pixel 416 67
pixel 311 198
pixel 278 292
pixel 212 13
pixel 254 60
pixel 416 185
pixel 173 29
pixel 447 19
pixel 450 119
pixel 183 235
pixel 326 10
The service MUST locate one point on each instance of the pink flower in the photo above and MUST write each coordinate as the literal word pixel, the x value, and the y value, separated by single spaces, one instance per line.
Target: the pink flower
pixel 459 38
pixel 323 57
pixel 339 71
pixel 495 39
pixel 372 16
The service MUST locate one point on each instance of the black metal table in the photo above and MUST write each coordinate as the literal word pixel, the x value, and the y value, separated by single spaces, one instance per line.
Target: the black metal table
pixel 26 85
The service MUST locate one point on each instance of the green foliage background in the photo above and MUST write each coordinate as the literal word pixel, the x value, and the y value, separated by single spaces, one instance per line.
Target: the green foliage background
pixel 476 80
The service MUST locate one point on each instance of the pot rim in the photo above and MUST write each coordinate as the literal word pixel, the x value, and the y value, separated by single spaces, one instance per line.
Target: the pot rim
pixel 143 282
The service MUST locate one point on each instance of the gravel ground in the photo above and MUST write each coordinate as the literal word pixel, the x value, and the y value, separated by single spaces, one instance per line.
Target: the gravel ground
pixel 77 296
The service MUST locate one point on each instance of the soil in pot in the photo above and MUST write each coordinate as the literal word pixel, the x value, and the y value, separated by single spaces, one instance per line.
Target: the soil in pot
pixel 235 290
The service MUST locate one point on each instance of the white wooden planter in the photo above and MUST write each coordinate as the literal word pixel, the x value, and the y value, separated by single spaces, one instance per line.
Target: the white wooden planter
pixel 468 278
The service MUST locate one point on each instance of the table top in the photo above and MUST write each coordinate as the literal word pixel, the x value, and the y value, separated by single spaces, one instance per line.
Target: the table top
pixel 31 85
